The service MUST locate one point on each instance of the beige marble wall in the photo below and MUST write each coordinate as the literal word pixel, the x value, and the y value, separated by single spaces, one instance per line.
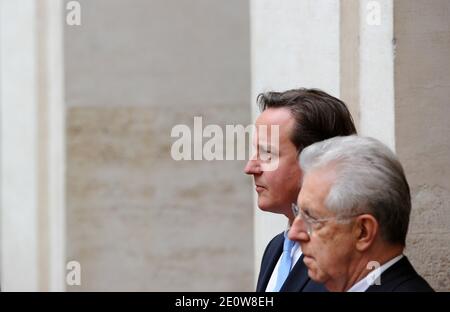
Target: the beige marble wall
pixel 422 91
pixel 136 219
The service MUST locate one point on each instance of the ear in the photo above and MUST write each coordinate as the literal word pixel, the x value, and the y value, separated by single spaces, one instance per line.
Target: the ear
pixel 365 230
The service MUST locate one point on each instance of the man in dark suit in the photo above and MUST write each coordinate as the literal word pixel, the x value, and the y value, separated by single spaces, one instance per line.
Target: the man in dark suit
pixel 303 116
pixel 352 217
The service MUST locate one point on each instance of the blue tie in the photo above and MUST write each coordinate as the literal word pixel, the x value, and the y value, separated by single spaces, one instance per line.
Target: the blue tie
pixel 285 263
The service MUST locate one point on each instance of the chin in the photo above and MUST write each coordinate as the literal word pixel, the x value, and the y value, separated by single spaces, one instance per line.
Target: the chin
pixel 264 205
pixel 316 276
pixel 314 273
pixel 268 208
pixel 265 208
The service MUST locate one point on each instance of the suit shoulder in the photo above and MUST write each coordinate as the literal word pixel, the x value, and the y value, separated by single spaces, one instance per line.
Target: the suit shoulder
pixel 416 284
pixel 273 244
pixel 401 277
pixel 276 239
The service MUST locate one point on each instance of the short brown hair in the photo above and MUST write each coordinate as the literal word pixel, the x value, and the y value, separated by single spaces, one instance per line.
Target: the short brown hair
pixel 318 115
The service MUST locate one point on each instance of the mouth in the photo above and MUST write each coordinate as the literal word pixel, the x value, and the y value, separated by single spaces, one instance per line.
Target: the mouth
pixel 259 188
pixel 307 256
pixel 307 260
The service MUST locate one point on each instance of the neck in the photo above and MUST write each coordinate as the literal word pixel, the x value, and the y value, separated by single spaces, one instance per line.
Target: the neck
pixel 290 215
pixel 361 268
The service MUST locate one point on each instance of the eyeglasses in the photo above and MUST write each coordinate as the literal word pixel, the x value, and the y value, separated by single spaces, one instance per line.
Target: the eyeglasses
pixel 312 223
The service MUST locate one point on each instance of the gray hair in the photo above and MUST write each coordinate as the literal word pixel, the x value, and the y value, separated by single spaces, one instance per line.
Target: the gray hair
pixel 369 179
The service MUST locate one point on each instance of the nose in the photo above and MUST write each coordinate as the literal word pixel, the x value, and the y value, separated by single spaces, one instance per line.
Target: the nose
pixel 298 231
pixel 253 166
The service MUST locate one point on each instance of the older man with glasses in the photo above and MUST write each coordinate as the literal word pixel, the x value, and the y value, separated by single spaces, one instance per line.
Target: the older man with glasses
pixel 352 217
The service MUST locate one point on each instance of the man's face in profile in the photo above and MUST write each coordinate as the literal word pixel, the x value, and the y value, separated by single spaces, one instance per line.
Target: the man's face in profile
pixel 328 248
pixel 277 188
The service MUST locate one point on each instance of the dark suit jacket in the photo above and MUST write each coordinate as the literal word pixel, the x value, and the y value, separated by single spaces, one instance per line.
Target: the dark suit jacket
pixel 297 280
pixel 401 277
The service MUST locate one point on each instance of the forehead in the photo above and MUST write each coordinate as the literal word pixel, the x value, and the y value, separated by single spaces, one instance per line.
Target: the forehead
pixel 276 116
pixel 315 188
pixel 280 117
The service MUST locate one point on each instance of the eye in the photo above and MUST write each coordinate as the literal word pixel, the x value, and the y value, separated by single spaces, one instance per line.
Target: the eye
pixel 265 151
pixel 311 219
pixel 265 154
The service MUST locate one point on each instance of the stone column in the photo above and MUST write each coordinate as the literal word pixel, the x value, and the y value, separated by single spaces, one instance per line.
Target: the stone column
pixel 376 76
pixel 32 146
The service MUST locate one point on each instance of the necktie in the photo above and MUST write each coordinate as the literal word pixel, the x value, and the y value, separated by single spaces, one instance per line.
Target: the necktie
pixel 285 263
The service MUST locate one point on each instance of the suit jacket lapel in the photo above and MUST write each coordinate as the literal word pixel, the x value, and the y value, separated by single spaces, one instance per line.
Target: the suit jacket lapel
pixel 270 260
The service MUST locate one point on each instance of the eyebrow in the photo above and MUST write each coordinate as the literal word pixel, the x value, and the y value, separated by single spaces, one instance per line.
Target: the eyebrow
pixel 305 210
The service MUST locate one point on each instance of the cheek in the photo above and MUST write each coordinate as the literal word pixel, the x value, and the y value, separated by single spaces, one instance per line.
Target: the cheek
pixel 290 176
pixel 275 180
pixel 296 173
pixel 332 255
pixel 284 183
pixel 317 270
pixel 271 179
